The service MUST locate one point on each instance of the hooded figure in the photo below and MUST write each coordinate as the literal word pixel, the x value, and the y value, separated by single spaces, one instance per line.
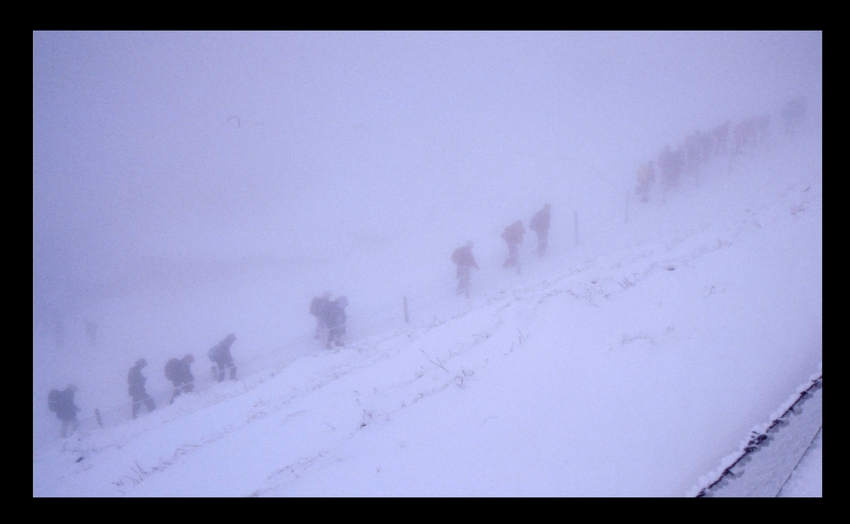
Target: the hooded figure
pixel 220 355
pixel 464 260
pixel 335 320
pixel 180 375
pixel 540 225
pixel 513 236
pixel 137 388
pixel 317 309
pixel 62 403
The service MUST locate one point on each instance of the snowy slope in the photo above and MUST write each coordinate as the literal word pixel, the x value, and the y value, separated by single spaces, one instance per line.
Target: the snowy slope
pixel 628 365
pixel 807 478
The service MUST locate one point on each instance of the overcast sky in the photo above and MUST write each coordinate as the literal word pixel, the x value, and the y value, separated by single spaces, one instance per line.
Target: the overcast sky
pixel 254 144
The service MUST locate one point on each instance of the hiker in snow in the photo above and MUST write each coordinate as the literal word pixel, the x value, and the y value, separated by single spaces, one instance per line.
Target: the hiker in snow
pixel 706 145
pixel 513 236
pixel 721 138
pixel 464 260
pixel 670 165
pixel 180 375
pixel 794 114
pixel 335 321
pixel 220 355
pixel 62 403
pixel 540 225
pixel 693 143
pixel 317 309
pixel 746 134
pixel 137 388
pixel 645 180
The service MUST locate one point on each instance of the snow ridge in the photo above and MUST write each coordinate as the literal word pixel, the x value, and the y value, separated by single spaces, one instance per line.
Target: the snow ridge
pixel 760 437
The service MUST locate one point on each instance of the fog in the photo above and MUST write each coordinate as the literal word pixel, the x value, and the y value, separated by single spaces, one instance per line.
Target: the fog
pixel 164 146
pixel 162 161
pixel 190 185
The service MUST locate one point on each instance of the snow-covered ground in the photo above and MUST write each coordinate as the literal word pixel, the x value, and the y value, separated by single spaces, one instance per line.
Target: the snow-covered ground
pixel 187 185
pixel 629 364
pixel 806 479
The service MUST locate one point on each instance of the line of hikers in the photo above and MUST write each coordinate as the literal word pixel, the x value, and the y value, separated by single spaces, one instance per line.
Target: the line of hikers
pixel 177 371
pixel 331 318
pixel 700 147
pixel 330 324
pixel 512 235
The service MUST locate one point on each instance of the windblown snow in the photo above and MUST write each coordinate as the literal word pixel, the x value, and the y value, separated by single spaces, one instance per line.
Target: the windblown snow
pixel 628 361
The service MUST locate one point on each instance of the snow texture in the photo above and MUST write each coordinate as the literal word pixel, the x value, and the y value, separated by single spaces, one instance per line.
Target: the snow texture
pixel 632 359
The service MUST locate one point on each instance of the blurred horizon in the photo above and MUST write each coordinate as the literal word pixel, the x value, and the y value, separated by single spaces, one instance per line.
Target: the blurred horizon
pixel 160 155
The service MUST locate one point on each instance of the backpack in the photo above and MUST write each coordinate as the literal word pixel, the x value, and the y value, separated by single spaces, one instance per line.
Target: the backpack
pixel 54 398
pixel 172 369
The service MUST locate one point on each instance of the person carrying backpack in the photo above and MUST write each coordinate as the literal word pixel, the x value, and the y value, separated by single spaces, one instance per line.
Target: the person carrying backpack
pixel 513 236
pixel 464 260
pixel 220 355
pixel 180 375
pixel 62 403
pixel 317 309
pixel 137 388
pixel 540 225
pixel 335 319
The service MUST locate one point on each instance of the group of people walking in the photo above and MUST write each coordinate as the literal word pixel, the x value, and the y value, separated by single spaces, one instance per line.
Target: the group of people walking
pixel 700 147
pixel 330 325
pixel 331 319
pixel 513 236
pixel 177 371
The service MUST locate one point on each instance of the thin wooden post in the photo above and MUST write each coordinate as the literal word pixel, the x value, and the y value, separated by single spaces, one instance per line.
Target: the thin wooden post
pixel 406 317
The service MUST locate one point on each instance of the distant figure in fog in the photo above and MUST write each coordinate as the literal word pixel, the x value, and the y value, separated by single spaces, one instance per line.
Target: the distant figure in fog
pixel 513 236
pixel 62 403
pixel 720 134
pixel 645 181
pixel 693 151
pixel 540 225
pixel 464 260
pixel 180 375
pixel 666 168
pixel 335 319
pixel 746 134
pixel 794 114
pixel 220 355
pixel 137 388
pixel 317 309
